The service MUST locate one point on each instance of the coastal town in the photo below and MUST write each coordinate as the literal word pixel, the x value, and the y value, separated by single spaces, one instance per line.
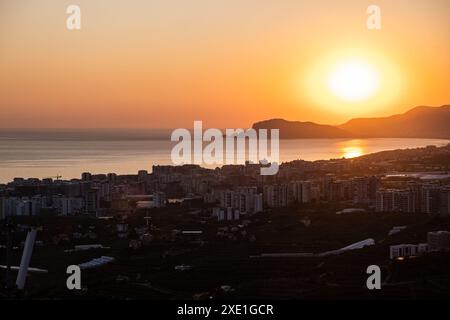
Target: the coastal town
pixel 309 231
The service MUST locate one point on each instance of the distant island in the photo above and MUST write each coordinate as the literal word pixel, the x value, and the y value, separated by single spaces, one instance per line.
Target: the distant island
pixel 419 122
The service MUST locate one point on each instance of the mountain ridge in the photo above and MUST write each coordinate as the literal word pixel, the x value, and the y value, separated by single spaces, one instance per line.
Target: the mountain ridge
pixel 418 122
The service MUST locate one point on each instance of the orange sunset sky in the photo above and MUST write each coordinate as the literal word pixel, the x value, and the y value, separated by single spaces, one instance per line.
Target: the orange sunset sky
pixel 163 64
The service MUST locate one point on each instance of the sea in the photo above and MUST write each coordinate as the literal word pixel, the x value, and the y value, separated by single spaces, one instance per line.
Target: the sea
pixel 42 153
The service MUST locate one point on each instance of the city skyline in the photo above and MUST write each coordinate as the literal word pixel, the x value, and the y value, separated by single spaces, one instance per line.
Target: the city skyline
pixel 225 157
pixel 168 234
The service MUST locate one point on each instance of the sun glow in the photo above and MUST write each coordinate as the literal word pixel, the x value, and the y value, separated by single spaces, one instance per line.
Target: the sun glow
pixel 352 148
pixel 353 80
pixel 352 152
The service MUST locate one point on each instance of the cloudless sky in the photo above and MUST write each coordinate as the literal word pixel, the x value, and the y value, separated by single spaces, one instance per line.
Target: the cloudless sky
pixel 165 63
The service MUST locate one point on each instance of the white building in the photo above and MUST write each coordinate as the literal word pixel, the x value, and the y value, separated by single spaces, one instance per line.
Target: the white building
pixel 407 250
pixel 15 206
pixel 228 214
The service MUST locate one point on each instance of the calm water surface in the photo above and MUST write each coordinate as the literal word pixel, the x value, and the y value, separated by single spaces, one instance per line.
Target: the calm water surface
pixel 46 153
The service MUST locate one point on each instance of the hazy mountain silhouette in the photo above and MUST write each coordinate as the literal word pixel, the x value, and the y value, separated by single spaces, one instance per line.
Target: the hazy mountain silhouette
pixel 297 129
pixel 420 122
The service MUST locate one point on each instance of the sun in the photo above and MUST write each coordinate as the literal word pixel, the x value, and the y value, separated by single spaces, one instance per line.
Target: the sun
pixel 353 80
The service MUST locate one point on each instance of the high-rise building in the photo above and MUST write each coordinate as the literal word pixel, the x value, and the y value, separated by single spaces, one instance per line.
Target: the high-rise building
pixel 92 201
pixel 244 199
pixel 276 196
pixel 227 200
pixel 384 201
pixel 415 190
pixel 394 201
pixel 430 199
pixel 301 192
pixel 86 176
pixel 445 201
pixel 112 177
pixel 67 205
pixel 402 201
pixel 365 189
pixel 142 175
pixel 258 199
